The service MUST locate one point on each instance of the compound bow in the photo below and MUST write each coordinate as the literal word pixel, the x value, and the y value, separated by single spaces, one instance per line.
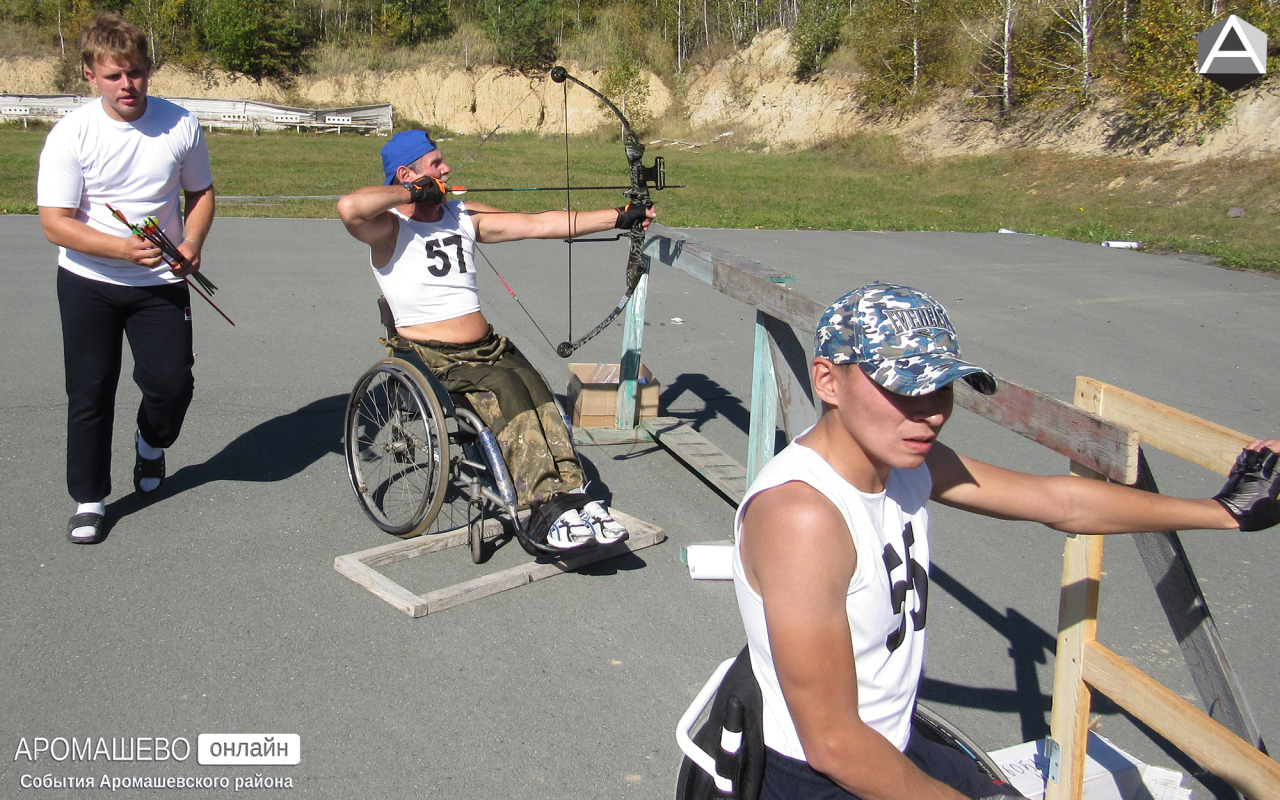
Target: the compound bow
pixel 642 178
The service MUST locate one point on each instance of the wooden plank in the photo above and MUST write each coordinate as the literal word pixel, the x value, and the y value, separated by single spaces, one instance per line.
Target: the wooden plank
pixel 1187 610
pixel 764 402
pixel 598 437
pixel 356 566
pixel 1077 627
pixel 422 545
pixel 724 474
pixel 1192 731
pixel 380 585
pixel 474 589
pixel 743 280
pixel 1199 441
pixel 1102 446
pixel 796 407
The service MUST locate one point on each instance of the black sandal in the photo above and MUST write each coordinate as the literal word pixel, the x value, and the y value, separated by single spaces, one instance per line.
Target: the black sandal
pixel 147 468
pixel 93 521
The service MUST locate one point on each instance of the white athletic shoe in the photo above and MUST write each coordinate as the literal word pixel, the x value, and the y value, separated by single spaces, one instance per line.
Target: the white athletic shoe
pixel 607 529
pixel 569 532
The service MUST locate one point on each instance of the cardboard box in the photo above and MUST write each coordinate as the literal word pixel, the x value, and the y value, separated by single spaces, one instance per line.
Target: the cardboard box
pixel 1109 773
pixel 593 394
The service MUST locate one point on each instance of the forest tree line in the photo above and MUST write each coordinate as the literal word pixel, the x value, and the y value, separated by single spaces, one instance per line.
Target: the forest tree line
pixel 1001 53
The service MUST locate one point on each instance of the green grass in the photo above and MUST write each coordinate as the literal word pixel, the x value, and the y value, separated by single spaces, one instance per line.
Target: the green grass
pixel 863 184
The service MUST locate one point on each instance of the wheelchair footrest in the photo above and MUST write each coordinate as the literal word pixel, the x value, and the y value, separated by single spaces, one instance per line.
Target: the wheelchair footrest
pixel 362 567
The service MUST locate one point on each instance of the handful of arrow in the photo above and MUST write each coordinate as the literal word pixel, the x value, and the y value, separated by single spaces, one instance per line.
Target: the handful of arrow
pixel 173 257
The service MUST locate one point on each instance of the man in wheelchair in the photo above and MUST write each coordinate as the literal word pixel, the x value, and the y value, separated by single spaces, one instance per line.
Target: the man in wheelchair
pixel 831 564
pixel 421 250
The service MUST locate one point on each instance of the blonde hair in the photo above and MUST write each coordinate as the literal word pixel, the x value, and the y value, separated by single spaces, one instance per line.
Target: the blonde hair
pixel 111 36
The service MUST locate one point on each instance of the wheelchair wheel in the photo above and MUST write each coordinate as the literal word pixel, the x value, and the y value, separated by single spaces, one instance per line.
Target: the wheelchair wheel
pixel 397 448
pixel 929 724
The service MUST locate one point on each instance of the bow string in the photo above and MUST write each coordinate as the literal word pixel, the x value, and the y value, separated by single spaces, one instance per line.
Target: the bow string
pixel 637 195
pixel 642 178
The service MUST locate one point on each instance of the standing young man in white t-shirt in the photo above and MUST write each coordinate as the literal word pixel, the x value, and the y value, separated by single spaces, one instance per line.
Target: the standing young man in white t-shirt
pixel 831 566
pixel 136 153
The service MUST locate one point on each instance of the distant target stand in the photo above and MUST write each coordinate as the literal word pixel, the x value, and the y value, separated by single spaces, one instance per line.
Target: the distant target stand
pixel 1232 53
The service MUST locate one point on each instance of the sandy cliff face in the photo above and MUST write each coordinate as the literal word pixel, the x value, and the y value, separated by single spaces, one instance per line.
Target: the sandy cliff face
pixel 751 93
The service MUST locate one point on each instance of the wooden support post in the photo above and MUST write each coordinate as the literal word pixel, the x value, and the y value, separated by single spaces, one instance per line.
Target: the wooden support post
pixel 791 360
pixel 632 338
pixel 1187 610
pixel 764 402
pixel 1214 447
pixel 1077 628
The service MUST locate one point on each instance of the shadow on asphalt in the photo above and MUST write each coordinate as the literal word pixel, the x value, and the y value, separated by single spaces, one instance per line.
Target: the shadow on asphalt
pixel 1029 645
pixel 717 401
pixel 274 450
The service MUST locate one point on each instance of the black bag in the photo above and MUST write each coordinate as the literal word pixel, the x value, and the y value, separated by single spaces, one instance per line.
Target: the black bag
pixel 737 704
pixel 544 515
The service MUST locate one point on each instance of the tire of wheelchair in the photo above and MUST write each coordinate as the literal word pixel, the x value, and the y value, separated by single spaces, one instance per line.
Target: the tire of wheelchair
pixel 394 430
pixel 930 724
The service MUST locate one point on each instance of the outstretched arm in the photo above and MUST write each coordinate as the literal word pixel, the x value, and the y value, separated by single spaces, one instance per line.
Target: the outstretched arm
pixel 494 226
pixel 799 556
pixel 1067 503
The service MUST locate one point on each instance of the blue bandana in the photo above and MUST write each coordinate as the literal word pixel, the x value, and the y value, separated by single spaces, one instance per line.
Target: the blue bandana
pixel 403 149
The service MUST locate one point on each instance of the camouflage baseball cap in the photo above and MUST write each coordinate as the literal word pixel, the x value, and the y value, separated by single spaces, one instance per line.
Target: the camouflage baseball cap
pixel 900 337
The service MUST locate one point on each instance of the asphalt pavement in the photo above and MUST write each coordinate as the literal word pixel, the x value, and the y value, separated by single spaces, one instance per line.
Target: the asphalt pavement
pixel 214 608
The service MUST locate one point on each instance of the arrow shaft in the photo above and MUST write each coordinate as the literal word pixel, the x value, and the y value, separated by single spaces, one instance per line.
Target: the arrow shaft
pixel 462 190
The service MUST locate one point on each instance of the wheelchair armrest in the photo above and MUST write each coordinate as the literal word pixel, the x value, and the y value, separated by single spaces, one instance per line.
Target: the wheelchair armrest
pixel 705 761
pixel 388 319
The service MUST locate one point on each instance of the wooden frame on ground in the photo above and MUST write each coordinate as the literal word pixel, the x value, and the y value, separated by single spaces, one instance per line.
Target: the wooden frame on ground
pixel 362 567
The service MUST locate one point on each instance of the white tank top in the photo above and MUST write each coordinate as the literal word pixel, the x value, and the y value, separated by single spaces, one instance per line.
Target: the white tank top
pixel 431 276
pixel 890 531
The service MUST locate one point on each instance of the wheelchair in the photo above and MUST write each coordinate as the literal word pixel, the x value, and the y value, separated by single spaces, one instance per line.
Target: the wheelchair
pixel 724 760
pixel 420 460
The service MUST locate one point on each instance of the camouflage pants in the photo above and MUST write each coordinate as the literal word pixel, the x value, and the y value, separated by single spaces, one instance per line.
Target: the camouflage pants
pixel 515 402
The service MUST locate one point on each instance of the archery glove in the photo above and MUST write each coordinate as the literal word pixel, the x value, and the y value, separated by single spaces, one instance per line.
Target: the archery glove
pixel 629 215
pixel 426 190
pixel 1251 489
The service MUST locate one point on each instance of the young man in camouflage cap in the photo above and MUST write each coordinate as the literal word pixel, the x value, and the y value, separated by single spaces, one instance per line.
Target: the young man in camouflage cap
pixel 831 563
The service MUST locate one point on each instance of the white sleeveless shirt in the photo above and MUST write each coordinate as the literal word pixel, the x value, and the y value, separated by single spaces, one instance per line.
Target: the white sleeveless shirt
pixel 886 601
pixel 431 276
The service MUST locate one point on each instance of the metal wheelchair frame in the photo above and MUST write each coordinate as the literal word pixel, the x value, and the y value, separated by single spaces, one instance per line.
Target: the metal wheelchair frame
pixel 408 442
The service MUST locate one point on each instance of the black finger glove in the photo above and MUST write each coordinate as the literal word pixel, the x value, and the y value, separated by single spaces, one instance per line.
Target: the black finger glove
pixel 426 190
pixel 1251 489
pixel 629 215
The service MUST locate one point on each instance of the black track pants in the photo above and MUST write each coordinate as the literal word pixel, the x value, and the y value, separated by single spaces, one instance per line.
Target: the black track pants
pixel 95 317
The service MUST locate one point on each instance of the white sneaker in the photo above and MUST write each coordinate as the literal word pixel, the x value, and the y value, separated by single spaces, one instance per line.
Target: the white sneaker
pixel 569 532
pixel 607 529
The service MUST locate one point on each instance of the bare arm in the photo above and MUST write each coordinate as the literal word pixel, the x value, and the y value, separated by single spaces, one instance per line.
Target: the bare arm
pixel 367 214
pixel 798 555
pixel 1064 502
pixel 61 227
pixel 198 219
pixel 494 226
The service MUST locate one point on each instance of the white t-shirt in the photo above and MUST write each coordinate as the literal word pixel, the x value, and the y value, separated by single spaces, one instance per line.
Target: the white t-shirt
pixel 890 531
pixel 139 167
pixel 431 276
